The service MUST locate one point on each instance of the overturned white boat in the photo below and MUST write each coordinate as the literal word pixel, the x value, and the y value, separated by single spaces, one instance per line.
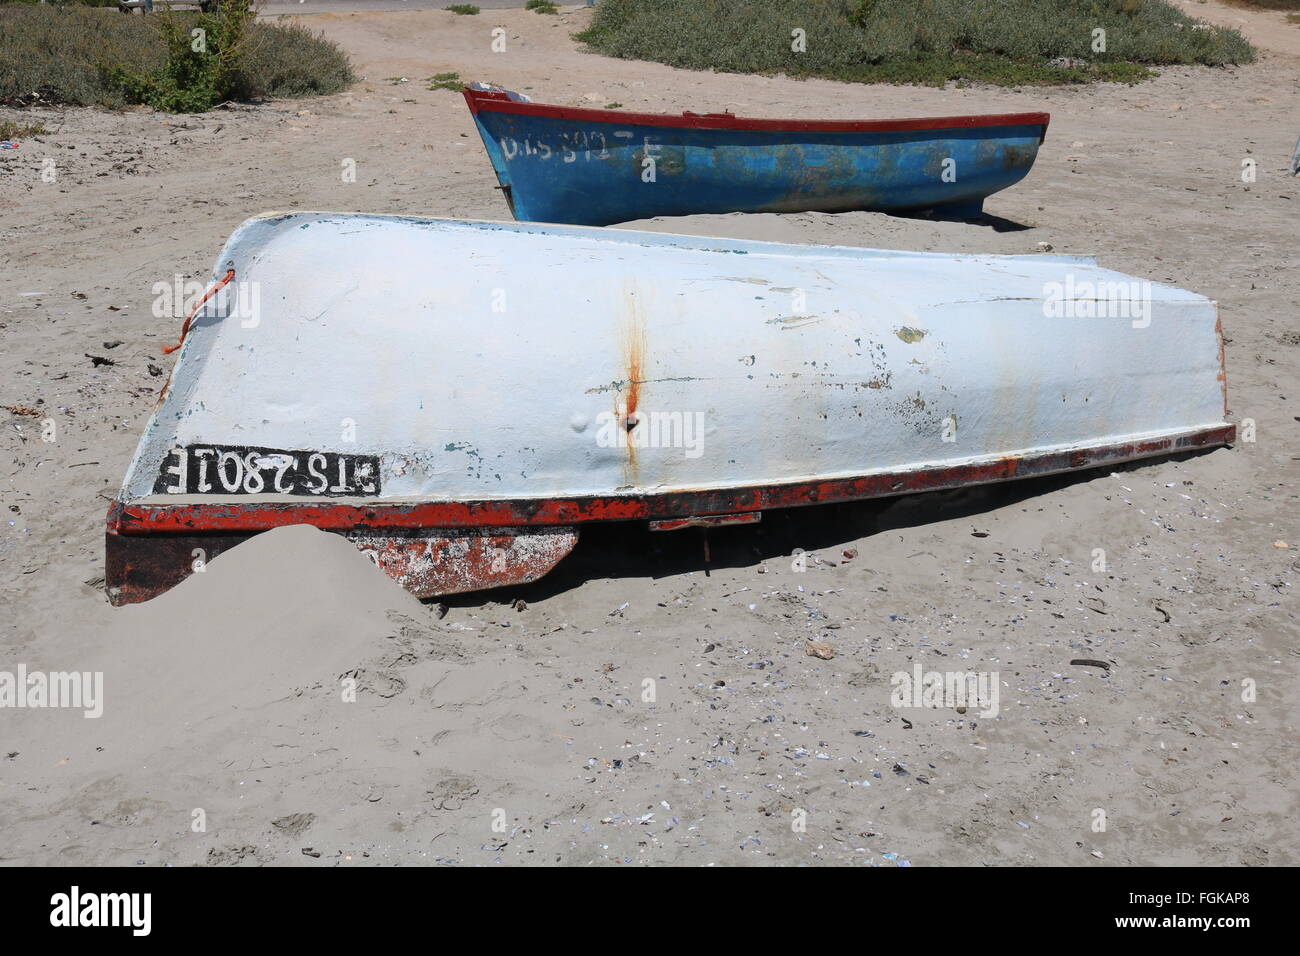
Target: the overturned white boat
pixel 458 398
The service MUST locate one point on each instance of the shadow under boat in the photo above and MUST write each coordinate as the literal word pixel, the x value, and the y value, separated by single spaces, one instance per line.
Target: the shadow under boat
pixel 621 550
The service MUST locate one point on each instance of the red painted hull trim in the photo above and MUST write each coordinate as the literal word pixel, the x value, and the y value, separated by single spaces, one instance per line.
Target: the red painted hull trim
pixel 235 517
pixel 493 102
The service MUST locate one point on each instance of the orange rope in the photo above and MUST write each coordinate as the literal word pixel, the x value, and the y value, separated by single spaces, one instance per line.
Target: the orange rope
pixel 220 284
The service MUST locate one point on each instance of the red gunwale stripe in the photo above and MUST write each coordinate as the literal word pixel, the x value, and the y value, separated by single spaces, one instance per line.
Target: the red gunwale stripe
pixel 500 103
pixel 228 516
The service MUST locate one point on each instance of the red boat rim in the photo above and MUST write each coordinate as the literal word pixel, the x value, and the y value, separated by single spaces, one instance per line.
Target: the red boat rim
pixel 228 516
pixel 492 101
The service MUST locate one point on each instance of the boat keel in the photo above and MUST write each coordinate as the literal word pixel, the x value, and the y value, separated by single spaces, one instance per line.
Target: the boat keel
pixel 707 521
pixel 960 210
pixel 428 563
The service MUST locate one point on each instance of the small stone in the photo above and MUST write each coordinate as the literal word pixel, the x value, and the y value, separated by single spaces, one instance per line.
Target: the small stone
pixel 294 823
pixel 850 553
pixel 1281 544
pixel 819 649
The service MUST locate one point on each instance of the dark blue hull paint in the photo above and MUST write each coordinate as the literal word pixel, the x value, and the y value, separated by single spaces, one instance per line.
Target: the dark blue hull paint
pixel 593 174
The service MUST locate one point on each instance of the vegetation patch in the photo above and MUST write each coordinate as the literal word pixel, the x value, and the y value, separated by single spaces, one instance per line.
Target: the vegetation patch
pixel 1266 4
pixel 73 3
pixel 1007 42
pixel 9 129
pixel 72 54
pixel 446 81
pixel 463 9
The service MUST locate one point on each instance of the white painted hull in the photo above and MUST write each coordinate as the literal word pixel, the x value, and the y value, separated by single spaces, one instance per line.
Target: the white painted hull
pixel 486 360
pixel 458 398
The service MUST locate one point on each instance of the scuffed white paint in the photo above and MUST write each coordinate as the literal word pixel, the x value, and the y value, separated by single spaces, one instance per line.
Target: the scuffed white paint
pixel 389 324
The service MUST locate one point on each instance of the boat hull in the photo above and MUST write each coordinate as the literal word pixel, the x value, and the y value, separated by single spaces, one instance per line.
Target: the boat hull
pixel 433 379
pixel 596 167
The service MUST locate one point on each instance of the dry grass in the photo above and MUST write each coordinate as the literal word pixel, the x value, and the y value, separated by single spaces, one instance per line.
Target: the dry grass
pixel 75 55
pixel 1266 4
pixel 915 41
pixel 10 129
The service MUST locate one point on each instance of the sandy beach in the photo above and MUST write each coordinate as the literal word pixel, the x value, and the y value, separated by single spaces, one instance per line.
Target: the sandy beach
pixel 221 700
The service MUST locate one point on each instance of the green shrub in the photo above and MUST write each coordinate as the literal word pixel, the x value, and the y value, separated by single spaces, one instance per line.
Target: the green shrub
pixel 68 54
pixel 446 81
pixel 289 60
pixel 463 9
pixel 13 130
pixel 51 54
pixel 1267 4
pixel 541 6
pixel 199 68
pixel 77 3
pixel 914 41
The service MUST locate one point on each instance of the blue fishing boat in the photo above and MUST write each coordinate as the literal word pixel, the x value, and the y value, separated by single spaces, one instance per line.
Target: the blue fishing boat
pixel 595 167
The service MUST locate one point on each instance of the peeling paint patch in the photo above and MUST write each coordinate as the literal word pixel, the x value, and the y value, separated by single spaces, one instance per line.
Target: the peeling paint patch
pixel 794 321
pixel 453 561
pixel 627 383
pixel 475 466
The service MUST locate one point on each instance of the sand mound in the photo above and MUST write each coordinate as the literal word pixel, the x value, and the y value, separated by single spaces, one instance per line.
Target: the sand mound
pixel 285 613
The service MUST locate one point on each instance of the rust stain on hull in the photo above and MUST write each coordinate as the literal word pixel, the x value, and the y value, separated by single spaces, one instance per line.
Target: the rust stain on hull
pixel 634 351
pixel 1223 359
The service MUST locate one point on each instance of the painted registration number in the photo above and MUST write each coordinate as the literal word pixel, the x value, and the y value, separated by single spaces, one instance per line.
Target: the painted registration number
pixel 239 470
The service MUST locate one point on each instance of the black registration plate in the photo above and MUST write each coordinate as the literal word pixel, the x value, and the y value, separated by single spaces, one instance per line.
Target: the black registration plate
pixel 241 470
